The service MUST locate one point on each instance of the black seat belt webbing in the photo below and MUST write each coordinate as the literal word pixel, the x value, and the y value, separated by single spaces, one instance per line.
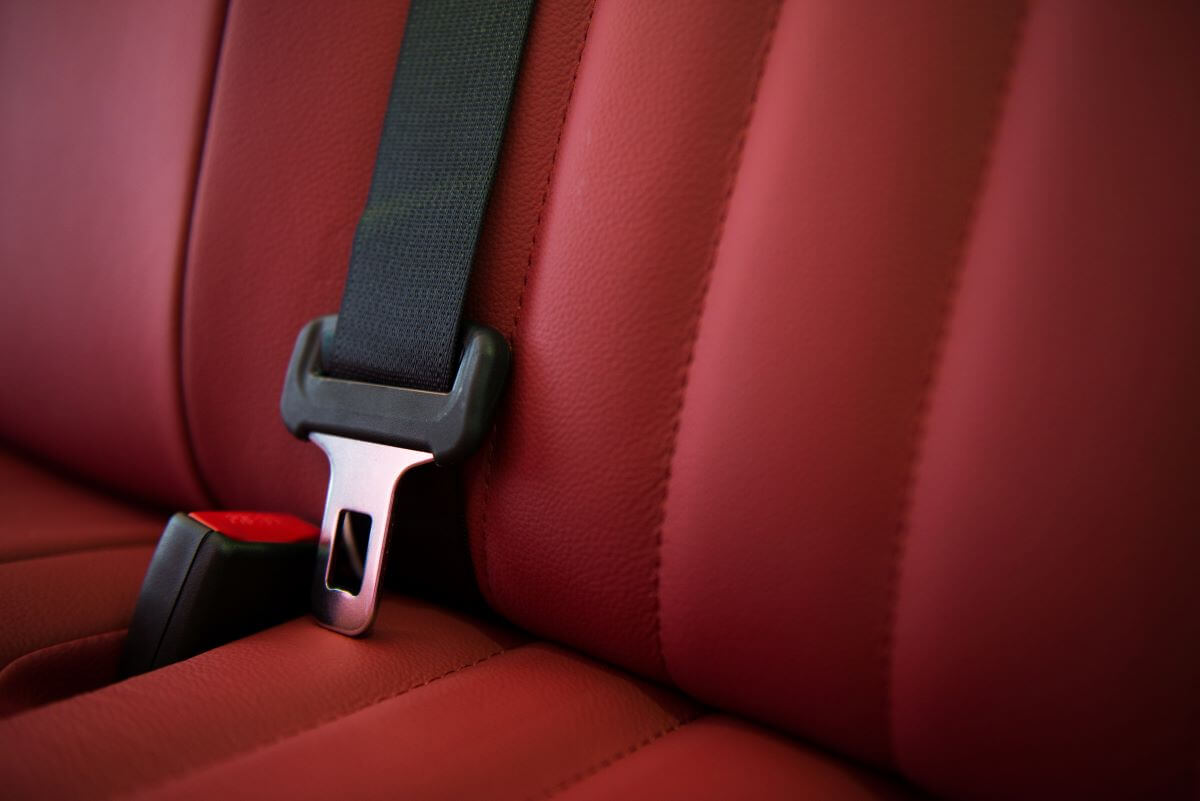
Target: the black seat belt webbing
pixel 402 303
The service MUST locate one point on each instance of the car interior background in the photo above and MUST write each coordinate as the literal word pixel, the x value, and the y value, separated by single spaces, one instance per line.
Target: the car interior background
pixel 850 447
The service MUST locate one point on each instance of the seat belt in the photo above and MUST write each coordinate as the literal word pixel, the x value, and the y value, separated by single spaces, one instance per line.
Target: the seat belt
pixel 391 382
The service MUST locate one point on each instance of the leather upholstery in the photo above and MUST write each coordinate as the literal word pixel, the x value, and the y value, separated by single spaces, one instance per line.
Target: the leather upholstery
pixel 854 417
pixel 297 108
pixel 1050 552
pixel 854 393
pixel 808 372
pixel 60 671
pixel 103 107
pixel 46 513
pixel 629 220
pixel 53 599
pixel 71 564
pixel 432 706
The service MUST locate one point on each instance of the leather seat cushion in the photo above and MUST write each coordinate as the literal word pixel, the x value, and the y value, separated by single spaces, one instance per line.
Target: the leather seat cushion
pixel 71 560
pixel 434 705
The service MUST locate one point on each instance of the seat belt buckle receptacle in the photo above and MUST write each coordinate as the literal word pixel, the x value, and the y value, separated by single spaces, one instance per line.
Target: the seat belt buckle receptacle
pixel 216 577
pixel 372 435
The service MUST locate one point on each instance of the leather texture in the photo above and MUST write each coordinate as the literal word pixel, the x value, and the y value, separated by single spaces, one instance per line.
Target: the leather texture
pixel 53 599
pixel 853 393
pixel 433 706
pixel 104 107
pixel 47 513
pixel 165 723
pixel 565 511
pixel 717 757
pixel 819 234
pixel 795 425
pixel 297 109
pixel 71 564
pixel 1048 579
pixel 60 671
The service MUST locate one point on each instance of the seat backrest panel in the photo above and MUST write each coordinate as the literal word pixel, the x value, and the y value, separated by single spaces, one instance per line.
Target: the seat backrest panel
pixel 816 340
pixel 104 107
pixel 852 384
pixel 569 492
pixel 866 442
pixel 297 109
pixel 1048 613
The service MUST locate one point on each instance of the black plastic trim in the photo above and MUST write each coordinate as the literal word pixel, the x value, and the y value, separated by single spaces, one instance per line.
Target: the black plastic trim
pixel 450 425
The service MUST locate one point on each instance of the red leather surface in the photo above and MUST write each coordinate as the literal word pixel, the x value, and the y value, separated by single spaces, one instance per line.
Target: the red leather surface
pixel 812 357
pixel 1049 613
pixel 231 700
pixel 297 107
pixel 103 107
pixel 46 514
pixel 854 390
pixel 719 758
pixel 72 561
pixel 258 526
pixel 508 238
pixel 564 516
pixel 518 725
pixel 862 202
pixel 60 671
pixel 53 599
pixel 435 706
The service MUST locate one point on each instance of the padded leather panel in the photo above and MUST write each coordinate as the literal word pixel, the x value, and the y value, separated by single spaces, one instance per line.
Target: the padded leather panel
pixel 72 561
pixel 53 599
pixel 564 515
pixel 796 495
pixel 514 727
pixel 232 700
pixel 45 514
pixel 60 671
pixel 297 108
pixel 812 356
pixel 717 757
pixel 1049 613
pixel 103 107
pixel 435 706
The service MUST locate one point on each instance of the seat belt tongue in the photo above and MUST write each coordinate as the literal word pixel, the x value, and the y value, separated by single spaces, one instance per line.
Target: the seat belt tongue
pixel 372 435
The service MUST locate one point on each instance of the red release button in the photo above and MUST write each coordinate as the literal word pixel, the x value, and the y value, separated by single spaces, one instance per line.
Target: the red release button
pixel 258 526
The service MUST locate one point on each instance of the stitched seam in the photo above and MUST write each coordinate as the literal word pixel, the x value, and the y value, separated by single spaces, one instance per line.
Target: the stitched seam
pixel 611 760
pixel 185 421
pixel 56 645
pixel 935 359
pixel 663 487
pixel 113 546
pixel 515 326
pixel 196 769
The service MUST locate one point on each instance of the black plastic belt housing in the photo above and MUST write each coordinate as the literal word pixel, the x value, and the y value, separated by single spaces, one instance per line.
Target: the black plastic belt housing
pixel 449 425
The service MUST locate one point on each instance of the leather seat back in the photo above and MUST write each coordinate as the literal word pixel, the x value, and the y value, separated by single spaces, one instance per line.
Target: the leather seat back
pixel 855 380
pixel 98 157
pixel 855 383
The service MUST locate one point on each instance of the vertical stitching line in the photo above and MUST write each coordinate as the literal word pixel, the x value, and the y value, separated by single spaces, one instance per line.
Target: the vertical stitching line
pixel 663 487
pixel 490 464
pixel 609 761
pixel 185 420
pixel 935 359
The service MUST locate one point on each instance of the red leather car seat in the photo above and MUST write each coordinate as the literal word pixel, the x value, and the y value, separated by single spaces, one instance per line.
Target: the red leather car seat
pixel 854 394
